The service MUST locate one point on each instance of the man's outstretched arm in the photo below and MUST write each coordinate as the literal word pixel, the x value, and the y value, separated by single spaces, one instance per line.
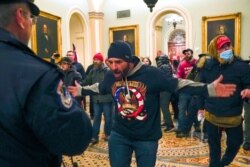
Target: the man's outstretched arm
pixel 214 89
pixel 78 89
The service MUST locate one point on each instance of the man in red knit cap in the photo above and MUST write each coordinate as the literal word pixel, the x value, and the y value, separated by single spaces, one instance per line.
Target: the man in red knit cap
pixel 101 103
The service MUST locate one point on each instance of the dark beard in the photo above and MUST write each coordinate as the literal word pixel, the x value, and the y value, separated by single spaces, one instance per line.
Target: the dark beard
pixel 96 66
pixel 125 72
pixel 189 58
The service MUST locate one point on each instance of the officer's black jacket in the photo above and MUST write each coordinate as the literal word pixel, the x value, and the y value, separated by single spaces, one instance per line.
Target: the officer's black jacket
pixel 37 125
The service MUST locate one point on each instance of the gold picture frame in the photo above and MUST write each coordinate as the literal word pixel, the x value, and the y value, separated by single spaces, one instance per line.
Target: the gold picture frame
pixel 229 25
pixel 46 36
pixel 131 32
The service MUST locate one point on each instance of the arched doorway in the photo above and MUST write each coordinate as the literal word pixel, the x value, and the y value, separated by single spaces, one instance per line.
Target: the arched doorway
pixel 152 39
pixel 77 35
pixel 176 44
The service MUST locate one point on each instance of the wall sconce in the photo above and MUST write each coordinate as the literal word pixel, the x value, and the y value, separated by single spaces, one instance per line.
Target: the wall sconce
pixel 150 4
pixel 174 20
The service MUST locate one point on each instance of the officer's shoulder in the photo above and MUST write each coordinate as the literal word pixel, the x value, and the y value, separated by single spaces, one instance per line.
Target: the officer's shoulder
pixel 43 65
pixel 40 60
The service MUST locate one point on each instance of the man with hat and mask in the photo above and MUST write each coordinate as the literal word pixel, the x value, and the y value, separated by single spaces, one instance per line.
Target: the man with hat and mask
pixel 38 122
pixel 136 90
pixel 224 114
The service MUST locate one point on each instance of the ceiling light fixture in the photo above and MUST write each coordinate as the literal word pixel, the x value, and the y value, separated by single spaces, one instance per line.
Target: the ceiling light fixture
pixel 150 4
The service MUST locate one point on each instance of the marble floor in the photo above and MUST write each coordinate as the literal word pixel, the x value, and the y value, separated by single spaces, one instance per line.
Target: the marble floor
pixel 172 152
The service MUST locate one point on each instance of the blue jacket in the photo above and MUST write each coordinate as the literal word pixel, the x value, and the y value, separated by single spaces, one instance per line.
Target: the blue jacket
pixel 237 72
pixel 37 124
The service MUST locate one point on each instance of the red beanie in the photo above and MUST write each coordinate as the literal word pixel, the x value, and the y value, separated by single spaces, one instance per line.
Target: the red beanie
pixel 98 56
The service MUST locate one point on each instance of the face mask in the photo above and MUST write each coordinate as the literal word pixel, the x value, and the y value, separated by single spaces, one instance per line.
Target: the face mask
pixel 226 55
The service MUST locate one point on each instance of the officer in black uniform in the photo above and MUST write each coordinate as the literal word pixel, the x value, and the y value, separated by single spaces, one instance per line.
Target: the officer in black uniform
pixel 39 121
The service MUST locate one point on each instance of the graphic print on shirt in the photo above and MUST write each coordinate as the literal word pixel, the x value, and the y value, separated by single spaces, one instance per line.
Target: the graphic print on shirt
pixel 129 99
pixel 187 70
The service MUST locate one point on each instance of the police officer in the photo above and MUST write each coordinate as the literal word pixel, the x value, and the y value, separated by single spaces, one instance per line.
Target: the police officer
pixel 39 121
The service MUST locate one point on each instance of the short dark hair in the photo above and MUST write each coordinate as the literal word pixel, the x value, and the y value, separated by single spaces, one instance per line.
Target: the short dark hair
pixel 70 51
pixel 150 63
pixel 6 14
pixel 187 50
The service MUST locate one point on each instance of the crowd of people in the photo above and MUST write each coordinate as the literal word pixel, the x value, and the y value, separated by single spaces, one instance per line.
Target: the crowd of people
pixel 43 115
pixel 217 114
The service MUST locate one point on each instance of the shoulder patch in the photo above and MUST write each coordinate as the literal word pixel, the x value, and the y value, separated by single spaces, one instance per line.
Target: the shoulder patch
pixel 65 97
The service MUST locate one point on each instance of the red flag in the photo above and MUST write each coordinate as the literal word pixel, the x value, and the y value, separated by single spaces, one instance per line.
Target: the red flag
pixel 74 50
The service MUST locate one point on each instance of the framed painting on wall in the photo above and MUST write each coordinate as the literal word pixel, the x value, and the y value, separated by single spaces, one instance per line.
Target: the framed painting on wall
pixel 129 34
pixel 229 25
pixel 46 36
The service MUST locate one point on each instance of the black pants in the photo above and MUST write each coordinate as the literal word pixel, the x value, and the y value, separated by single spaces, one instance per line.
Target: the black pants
pixel 174 102
pixel 234 140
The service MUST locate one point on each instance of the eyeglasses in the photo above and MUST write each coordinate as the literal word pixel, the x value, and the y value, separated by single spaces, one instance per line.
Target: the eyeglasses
pixel 33 17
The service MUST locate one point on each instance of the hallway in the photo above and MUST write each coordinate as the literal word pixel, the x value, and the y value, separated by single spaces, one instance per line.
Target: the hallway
pixel 172 152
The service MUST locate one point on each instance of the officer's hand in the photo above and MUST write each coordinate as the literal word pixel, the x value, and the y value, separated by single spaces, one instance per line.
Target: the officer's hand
pixel 75 90
pixel 223 90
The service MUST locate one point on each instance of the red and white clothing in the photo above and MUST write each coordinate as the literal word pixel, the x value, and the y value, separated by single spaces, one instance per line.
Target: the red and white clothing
pixel 185 67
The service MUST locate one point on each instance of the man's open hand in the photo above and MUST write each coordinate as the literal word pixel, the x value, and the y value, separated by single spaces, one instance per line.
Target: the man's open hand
pixel 223 90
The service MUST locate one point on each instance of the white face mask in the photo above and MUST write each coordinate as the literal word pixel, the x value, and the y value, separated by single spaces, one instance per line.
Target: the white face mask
pixel 226 55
